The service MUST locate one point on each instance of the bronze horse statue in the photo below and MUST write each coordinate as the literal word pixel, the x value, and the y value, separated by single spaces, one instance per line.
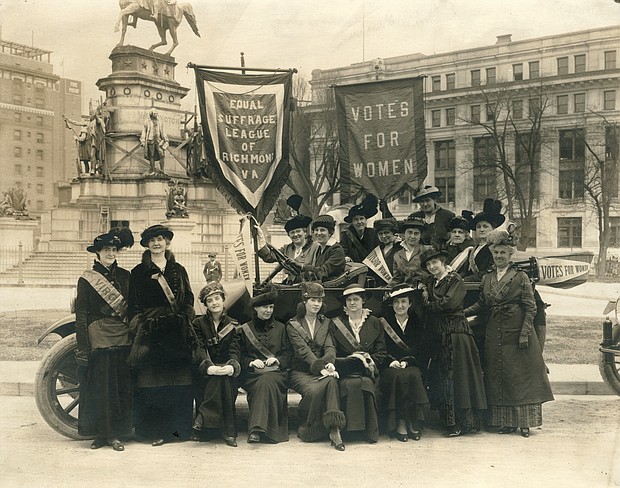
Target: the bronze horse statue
pixel 166 14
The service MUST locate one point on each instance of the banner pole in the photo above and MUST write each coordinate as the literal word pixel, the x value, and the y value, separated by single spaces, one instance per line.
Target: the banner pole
pixel 243 68
pixel 256 263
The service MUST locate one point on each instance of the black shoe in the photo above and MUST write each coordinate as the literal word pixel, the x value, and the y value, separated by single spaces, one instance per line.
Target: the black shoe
pixel 507 430
pixel 401 437
pixel 195 435
pixel 334 436
pixel 416 435
pixel 116 445
pixel 97 443
pixel 230 441
pixel 338 447
pixel 158 442
pixel 253 438
pixel 525 432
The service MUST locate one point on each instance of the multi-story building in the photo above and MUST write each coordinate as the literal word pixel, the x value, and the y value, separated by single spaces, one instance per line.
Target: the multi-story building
pixel 571 80
pixel 37 151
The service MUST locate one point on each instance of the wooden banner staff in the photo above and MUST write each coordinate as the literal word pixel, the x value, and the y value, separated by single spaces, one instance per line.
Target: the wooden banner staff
pixel 243 68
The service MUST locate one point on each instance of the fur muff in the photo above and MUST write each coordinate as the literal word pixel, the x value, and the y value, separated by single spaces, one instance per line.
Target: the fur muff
pixel 140 349
pixel 317 366
pixel 236 366
pixel 333 419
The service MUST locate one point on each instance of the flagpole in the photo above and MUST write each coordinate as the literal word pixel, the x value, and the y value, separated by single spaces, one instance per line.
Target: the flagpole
pixel 242 69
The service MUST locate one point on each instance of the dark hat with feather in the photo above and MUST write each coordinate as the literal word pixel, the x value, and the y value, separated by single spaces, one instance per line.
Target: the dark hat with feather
pixel 368 208
pixel 462 221
pixel 298 221
pixel 490 213
pixel 265 296
pixel 429 191
pixel 154 231
pixel 117 237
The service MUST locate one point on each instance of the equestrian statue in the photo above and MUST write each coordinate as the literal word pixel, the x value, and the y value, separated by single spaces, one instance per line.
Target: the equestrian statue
pixel 166 14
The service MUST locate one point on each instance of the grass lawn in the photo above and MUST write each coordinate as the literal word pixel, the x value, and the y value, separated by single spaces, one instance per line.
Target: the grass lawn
pixel 570 340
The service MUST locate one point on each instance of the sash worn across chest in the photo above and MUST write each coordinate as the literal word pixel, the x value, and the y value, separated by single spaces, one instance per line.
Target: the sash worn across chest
pixel 107 291
pixel 499 286
pixel 346 333
pixel 255 342
pixel 168 292
pixel 304 333
pixel 394 336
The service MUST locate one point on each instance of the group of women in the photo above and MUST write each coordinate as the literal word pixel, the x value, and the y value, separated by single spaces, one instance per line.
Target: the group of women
pixel 145 358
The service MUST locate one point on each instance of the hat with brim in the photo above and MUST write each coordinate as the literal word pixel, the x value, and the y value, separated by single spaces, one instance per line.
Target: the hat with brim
pixel 403 290
pixel 108 239
pixel 297 222
pixel 458 223
pixel 413 223
pixel 154 231
pixel 326 221
pixel 266 296
pixel 212 288
pixel 367 209
pixel 386 224
pixel 431 254
pixel 310 289
pixel 354 289
pixel 490 213
pixel 428 191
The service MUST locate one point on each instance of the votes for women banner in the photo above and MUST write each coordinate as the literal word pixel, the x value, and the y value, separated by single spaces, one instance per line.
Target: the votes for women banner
pixel 382 136
pixel 245 120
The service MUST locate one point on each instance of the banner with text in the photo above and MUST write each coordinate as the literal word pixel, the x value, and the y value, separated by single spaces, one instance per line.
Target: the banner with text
pixel 382 136
pixel 245 120
pixel 241 253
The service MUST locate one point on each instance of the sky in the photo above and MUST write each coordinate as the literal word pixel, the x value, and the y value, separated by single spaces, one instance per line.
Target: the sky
pixel 300 34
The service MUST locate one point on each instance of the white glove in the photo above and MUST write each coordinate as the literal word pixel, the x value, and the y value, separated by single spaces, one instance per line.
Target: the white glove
pixel 227 370
pixel 395 364
pixel 271 361
pixel 325 374
pixel 257 364
pixel 213 370
pixel 403 364
pixel 330 367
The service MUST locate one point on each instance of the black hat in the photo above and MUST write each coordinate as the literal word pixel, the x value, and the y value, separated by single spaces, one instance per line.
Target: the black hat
pixel 427 191
pixel 386 224
pixel 430 254
pixel 490 213
pixel 400 291
pixel 311 289
pixel 211 288
pixel 265 296
pixel 326 221
pixel 211 254
pixel 368 208
pixel 298 221
pixel 413 223
pixel 154 231
pixel 354 289
pixel 461 222
pixel 119 237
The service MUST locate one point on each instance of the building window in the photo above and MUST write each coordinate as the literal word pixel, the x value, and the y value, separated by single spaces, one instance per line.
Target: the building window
pixel 17 135
pixel 614 231
pixel 571 183
pixel 535 106
pixel 609 100
pixel 436 118
pixel 610 59
pixel 39 188
pixel 40 138
pixel 517 109
pixel 517 72
pixel 612 137
pixel 580 102
pixel 436 83
pixel 572 147
pixel 580 63
pixel 485 173
pixel 39 121
pixel 534 69
pixel 572 157
pixel 17 116
pixel 475 77
pixel 475 114
pixel 450 116
pixel 405 197
pixel 491 76
pixel 40 154
pixel 445 155
pixel 450 81
pixel 39 204
pixel 17 170
pixel 39 102
pixel 563 66
pixel 562 105
pixel 569 231
pixel 491 108
pixel 527 164
pixel 612 140
pixel 447 187
pixel 40 171
pixel 17 99
pixel 17 152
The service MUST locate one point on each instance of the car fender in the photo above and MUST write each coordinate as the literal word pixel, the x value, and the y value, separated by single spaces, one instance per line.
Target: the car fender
pixel 63 327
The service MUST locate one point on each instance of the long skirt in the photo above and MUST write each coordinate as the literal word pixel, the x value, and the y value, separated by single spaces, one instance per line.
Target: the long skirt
pixel 267 399
pixel 404 396
pixel 106 400
pixel 358 399
pixel 319 408
pixel 164 412
pixel 217 409
pixel 521 416
pixel 462 395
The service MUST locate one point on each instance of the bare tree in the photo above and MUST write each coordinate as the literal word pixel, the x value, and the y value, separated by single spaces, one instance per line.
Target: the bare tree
pixel 601 177
pixel 511 117
pixel 314 148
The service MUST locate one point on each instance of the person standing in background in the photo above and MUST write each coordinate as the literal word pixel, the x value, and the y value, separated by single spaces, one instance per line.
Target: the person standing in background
pixel 213 269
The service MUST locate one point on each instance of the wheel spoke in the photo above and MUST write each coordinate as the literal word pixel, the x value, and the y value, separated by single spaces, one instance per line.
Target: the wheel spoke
pixel 72 405
pixel 65 391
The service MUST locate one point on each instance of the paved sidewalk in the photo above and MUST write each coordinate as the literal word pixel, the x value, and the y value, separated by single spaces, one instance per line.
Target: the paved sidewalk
pixel 17 378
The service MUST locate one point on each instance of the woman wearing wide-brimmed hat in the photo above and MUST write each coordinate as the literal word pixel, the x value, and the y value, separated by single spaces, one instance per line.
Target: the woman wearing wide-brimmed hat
pixel 360 351
pixel 436 217
pixel 313 373
pixel 161 307
pixel 402 387
pixel 457 387
pixel 219 364
pixel 104 343
pixel 265 362
pixel 407 267
pixel 357 239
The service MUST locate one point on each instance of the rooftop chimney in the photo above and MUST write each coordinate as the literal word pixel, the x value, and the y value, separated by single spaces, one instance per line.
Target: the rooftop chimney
pixel 504 39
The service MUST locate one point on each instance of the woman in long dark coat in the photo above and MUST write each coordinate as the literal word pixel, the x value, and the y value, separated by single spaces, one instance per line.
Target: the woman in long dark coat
pixel 360 350
pixel 103 340
pixel 402 387
pixel 217 352
pixel 161 307
pixel 265 361
pixel 515 374
pixel 460 387
pixel 313 373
